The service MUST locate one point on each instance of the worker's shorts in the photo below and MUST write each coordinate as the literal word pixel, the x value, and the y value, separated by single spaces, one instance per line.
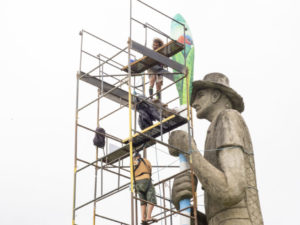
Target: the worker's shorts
pixel 146 191
pixel 157 77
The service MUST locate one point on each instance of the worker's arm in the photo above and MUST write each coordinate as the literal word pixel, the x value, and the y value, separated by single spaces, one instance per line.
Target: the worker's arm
pixel 150 166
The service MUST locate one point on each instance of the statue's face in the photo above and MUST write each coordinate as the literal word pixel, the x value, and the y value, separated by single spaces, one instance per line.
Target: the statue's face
pixel 203 103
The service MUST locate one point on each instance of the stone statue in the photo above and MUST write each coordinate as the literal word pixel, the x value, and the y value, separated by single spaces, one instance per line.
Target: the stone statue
pixel 227 170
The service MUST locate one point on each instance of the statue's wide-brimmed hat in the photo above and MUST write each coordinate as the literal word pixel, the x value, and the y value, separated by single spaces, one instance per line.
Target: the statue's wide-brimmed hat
pixel 221 82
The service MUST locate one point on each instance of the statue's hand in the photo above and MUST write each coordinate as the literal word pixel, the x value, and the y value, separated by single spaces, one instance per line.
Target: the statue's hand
pixel 182 188
pixel 180 140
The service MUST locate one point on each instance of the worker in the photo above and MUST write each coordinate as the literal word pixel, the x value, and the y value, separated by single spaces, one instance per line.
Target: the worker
pixel 156 78
pixel 144 187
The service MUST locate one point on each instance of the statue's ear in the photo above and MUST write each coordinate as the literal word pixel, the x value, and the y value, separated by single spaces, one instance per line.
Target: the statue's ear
pixel 215 96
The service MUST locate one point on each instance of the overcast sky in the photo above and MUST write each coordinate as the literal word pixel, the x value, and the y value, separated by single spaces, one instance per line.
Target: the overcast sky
pixel 255 43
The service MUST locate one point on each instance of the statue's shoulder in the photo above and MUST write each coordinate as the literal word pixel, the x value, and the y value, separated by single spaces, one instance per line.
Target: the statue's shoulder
pixel 230 114
pixel 231 118
pixel 230 129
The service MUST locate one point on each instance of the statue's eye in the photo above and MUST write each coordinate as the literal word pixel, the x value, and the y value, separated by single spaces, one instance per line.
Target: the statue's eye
pixel 199 94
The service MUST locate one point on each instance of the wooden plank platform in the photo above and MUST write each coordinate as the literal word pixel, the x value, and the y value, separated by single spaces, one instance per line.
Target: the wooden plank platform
pixel 144 63
pixel 123 153
pixel 118 95
pixel 139 140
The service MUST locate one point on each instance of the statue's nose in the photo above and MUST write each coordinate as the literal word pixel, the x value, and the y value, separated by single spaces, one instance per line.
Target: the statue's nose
pixel 194 105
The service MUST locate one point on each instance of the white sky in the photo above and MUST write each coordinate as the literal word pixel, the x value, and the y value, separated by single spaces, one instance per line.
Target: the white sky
pixel 255 43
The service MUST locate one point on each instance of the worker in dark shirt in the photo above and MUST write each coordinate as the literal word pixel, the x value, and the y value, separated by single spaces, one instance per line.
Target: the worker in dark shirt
pixel 144 187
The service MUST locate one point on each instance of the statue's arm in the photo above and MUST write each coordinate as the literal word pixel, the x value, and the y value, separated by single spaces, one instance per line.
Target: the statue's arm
pixel 228 184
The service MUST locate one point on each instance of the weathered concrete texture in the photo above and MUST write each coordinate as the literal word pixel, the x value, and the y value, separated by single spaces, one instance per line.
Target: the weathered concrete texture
pixel 227 170
pixel 180 139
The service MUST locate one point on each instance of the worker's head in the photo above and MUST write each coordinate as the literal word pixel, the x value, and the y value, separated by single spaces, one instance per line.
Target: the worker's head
pixel 213 93
pixel 157 42
pixel 137 155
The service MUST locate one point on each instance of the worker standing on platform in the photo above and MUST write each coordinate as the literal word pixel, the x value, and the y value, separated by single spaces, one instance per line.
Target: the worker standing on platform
pixel 156 78
pixel 144 187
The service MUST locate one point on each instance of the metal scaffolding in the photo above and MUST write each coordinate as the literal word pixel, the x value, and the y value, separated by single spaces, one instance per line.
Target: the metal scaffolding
pixel 120 88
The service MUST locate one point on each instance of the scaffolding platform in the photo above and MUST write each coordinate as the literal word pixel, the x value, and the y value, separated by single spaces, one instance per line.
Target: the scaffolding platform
pixel 141 140
pixel 115 94
pixel 155 57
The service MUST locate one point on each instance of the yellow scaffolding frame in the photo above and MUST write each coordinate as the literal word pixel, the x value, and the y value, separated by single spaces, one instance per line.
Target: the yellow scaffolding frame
pixel 131 136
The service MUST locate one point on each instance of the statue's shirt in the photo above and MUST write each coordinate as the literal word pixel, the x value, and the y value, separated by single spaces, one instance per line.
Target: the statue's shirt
pixel 229 129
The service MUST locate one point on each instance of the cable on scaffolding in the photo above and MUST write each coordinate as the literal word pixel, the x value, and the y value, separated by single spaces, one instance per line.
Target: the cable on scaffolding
pixel 158 177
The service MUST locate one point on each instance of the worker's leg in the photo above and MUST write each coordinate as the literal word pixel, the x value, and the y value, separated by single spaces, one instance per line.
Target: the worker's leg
pixel 141 187
pixel 143 212
pixel 152 79
pixel 158 88
pixel 150 198
pixel 149 211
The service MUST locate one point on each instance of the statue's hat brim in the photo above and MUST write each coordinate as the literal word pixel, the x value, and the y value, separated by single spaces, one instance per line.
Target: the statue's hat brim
pixel 234 97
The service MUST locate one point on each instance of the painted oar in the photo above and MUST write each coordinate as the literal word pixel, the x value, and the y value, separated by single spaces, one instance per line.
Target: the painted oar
pixel 187 56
